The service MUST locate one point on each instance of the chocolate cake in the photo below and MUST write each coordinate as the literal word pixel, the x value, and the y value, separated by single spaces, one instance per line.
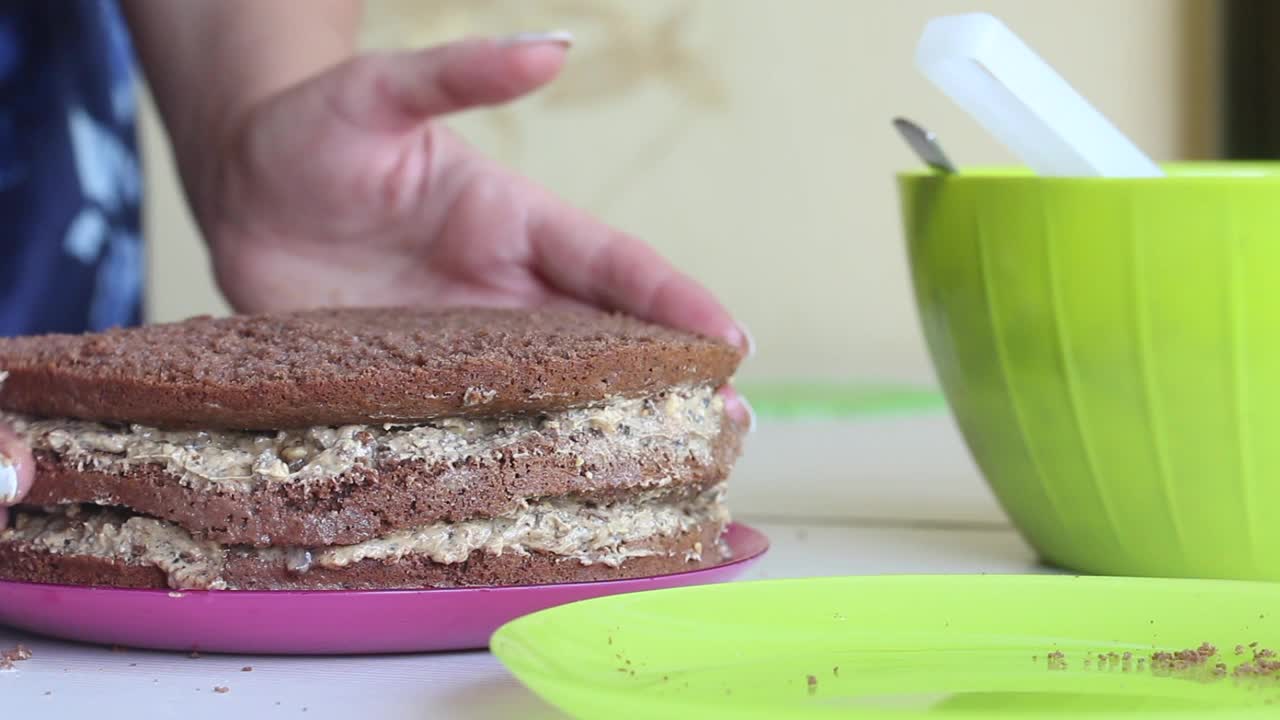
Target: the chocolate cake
pixel 369 448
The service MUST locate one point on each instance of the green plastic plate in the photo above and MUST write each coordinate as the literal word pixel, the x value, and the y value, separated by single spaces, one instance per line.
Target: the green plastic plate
pixel 900 646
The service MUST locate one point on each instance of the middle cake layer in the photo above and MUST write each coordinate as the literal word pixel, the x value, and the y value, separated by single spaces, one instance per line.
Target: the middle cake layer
pixel 54 544
pixel 342 486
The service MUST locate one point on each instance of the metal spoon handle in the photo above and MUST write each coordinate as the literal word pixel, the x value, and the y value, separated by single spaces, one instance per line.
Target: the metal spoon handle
pixel 924 144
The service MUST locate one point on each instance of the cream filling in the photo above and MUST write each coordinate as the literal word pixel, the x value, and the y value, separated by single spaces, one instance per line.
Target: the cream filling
pixel 682 420
pixel 114 535
pixel 577 531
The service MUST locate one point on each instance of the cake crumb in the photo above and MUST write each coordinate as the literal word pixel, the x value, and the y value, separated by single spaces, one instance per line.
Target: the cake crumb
pixel 247 668
pixel 1056 660
pixel 835 671
pixel 812 682
pixel 221 689
pixel 1196 664
pixel 474 396
pixel 48 692
pixel 18 653
pixel 8 658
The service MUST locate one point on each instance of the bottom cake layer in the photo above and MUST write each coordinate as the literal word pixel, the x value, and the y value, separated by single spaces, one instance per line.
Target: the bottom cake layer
pixel 552 542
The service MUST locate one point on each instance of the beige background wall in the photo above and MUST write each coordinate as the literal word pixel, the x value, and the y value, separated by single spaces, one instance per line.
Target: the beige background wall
pixel 749 140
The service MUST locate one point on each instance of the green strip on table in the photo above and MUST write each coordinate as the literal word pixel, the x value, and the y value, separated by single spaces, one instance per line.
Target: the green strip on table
pixel 819 400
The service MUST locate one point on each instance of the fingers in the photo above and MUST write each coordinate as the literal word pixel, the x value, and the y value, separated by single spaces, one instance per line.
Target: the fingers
pixel 398 90
pixel 590 261
pixel 737 408
pixel 16 471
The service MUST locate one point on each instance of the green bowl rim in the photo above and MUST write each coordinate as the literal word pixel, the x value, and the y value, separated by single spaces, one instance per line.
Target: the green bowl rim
pixel 1215 172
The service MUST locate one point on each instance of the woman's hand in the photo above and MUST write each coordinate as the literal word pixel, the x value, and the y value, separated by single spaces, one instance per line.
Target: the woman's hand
pixel 346 189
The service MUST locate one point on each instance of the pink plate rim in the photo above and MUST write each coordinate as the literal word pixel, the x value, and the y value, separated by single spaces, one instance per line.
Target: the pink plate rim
pixel 738 535
pixel 302 622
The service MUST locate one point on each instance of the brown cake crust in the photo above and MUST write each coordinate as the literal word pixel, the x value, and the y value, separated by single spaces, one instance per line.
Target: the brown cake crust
pixel 22 563
pixel 352 366
pixel 365 503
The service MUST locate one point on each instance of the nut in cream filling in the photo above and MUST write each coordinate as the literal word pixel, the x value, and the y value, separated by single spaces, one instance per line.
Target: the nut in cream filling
pixel 682 420
pixel 573 530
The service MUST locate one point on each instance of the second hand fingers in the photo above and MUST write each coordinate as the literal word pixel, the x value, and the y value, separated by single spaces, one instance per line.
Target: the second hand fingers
pixel 737 407
pixel 17 468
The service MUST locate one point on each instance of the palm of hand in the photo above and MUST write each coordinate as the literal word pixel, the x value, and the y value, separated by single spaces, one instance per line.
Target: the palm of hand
pixel 351 216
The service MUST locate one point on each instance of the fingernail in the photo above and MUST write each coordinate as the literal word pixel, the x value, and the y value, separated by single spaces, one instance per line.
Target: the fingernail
pixel 751 413
pixel 740 337
pixel 553 37
pixel 8 480
pixel 736 406
pixel 751 340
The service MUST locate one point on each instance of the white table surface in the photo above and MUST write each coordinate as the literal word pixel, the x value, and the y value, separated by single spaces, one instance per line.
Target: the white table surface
pixel 874 497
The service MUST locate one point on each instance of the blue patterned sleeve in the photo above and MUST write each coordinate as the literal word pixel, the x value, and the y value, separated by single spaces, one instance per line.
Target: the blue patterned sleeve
pixel 70 185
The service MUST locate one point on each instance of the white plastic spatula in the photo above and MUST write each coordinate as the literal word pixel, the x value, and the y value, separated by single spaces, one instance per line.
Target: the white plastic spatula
pixel 994 76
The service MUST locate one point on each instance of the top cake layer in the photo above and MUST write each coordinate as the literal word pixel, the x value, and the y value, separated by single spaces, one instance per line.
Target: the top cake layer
pixel 352 366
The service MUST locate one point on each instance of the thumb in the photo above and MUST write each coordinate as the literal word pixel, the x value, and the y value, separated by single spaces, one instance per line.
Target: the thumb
pixel 16 470
pixel 398 90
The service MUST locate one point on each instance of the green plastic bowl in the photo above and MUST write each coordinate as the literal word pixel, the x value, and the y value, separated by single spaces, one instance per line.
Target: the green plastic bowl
pixel 1111 351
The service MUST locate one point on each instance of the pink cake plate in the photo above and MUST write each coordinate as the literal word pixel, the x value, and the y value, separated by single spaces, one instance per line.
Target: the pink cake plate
pixel 320 622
